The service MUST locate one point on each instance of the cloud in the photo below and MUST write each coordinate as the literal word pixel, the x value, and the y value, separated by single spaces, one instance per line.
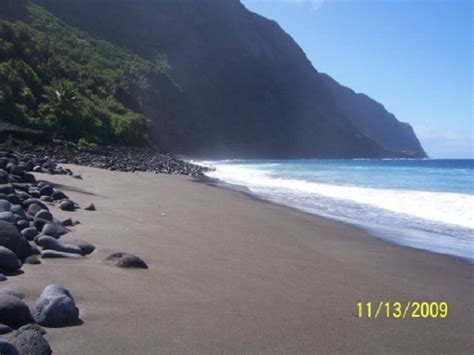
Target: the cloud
pixel 314 4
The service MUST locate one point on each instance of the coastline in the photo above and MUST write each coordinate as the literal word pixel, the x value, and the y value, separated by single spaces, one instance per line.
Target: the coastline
pixel 373 231
pixel 234 274
pixel 406 215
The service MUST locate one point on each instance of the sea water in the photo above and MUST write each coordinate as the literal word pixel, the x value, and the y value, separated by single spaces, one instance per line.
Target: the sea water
pixel 425 204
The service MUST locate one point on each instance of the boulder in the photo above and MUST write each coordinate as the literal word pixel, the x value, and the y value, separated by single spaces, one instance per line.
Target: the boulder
pixel 54 230
pixel 58 195
pixel 7 189
pixel 67 222
pixel 67 205
pixel 89 207
pixel 7 348
pixel 9 262
pixel 5 206
pixel 29 201
pixel 29 178
pixel 11 238
pixel 33 209
pixel 44 214
pixel 56 307
pixel 39 223
pixel 13 311
pixel 22 224
pixel 2 277
pixel 21 187
pixel 127 260
pixel 13 198
pixel 30 340
pixel 46 190
pixel 7 217
pixel 29 233
pixel 50 243
pixel 86 248
pixel 4 329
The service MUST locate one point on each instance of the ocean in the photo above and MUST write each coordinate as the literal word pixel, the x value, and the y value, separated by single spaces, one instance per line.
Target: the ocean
pixel 424 204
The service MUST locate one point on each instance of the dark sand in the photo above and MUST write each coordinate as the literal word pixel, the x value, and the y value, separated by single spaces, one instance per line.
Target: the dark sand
pixel 229 274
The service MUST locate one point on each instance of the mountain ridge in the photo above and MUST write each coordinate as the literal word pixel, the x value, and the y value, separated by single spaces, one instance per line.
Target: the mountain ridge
pixel 248 89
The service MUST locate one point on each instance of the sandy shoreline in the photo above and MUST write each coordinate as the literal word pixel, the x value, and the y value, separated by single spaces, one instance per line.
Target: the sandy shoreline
pixel 229 274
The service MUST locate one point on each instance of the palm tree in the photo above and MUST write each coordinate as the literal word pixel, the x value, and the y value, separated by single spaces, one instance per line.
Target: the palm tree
pixel 60 102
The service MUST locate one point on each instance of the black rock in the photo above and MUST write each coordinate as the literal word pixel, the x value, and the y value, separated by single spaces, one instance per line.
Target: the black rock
pixel 127 260
pixel 9 262
pixel 4 329
pixel 67 222
pixel 33 209
pixel 13 311
pixel 50 243
pixel 21 187
pixel 40 223
pixel 33 326
pixel 31 341
pixel 29 178
pixel 58 195
pixel 5 206
pixel 85 247
pixel 44 214
pixel 67 205
pixel 23 196
pixel 7 189
pixel 46 199
pixel 22 224
pixel 35 194
pixel 89 207
pixel 54 230
pixel 7 348
pixel 17 209
pixel 29 233
pixel 46 190
pixel 56 307
pixel 7 217
pixel 11 238
pixel 13 198
pixel 28 202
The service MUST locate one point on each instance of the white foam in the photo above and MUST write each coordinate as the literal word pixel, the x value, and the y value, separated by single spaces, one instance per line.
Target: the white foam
pixel 448 208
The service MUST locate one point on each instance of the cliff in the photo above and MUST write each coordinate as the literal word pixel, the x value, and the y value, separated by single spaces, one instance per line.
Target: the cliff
pixel 247 88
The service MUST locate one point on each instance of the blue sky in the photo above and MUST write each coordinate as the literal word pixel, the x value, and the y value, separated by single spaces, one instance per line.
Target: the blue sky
pixel 413 56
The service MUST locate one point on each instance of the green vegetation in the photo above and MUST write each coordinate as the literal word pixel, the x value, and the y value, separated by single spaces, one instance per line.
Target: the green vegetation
pixel 60 79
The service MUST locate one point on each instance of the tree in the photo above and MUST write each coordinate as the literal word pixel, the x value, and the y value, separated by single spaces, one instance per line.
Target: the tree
pixel 61 103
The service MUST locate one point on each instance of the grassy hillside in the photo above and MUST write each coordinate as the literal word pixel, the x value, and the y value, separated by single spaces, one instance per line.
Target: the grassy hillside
pixel 43 58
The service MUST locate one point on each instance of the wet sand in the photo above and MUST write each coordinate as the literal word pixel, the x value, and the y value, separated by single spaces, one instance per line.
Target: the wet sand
pixel 229 274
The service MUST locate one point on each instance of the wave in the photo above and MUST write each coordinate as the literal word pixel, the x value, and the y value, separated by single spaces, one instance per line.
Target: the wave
pixel 441 222
pixel 448 208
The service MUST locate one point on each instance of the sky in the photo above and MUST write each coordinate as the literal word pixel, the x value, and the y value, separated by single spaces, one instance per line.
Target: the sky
pixel 413 56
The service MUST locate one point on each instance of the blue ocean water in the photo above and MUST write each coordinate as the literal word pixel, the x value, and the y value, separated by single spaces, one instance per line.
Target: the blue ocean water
pixel 425 204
